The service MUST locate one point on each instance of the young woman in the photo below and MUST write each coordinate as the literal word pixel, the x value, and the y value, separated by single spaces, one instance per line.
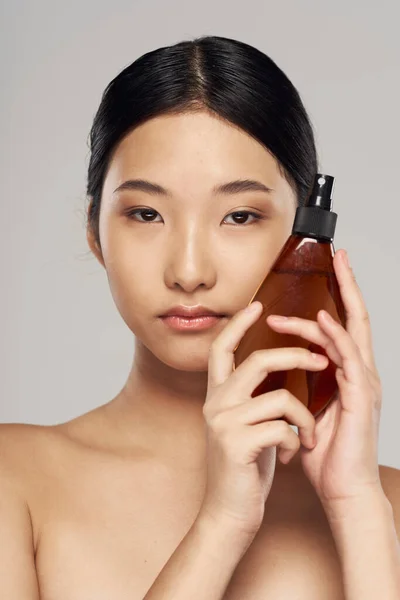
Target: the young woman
pixel 183 486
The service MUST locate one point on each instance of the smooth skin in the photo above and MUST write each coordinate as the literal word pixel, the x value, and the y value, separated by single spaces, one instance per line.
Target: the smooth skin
pixel 98 506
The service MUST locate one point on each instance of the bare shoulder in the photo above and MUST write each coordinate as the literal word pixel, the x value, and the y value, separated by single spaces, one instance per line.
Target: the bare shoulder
pixel 30 454
pixel 17 441
pixel 21 446
pixel 27 442
pixel 16 438
pixel 27 450
pixel 390 479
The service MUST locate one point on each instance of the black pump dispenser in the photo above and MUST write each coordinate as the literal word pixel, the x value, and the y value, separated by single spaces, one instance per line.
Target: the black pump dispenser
pixel 316 218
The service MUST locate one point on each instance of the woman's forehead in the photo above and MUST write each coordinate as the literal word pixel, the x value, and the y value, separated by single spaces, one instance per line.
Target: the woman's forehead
pixel 192 146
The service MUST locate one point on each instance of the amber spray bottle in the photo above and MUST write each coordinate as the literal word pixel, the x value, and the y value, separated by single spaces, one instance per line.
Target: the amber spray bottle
pixel 301 282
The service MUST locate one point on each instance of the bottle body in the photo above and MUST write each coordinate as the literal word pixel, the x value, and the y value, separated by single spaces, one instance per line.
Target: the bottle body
pixel 301 282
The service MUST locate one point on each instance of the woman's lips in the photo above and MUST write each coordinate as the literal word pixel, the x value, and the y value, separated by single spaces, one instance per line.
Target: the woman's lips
pixel 180 323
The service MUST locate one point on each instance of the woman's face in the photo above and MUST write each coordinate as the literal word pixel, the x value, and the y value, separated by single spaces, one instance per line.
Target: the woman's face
pixel 185 244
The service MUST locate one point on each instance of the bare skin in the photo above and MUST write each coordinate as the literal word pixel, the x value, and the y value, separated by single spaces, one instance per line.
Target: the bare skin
pixel 109 495
pixel 108 513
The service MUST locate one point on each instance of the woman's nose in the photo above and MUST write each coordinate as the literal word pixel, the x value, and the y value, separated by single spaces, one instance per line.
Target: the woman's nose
pixel 190 264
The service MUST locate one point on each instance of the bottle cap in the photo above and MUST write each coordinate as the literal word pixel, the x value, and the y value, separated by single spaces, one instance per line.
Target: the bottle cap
pixel 315 218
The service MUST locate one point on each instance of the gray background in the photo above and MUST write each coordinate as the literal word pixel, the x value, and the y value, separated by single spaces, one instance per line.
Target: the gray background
pixel 64 348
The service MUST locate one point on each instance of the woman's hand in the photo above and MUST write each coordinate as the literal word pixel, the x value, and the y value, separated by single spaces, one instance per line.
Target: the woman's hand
pixel 243 432
pixel 344 463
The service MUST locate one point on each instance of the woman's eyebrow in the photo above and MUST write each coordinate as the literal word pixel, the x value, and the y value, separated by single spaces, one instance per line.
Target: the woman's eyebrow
pixel 232 187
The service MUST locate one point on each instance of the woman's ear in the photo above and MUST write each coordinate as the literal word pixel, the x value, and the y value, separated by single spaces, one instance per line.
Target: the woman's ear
pixel 92 240
pixel 93 245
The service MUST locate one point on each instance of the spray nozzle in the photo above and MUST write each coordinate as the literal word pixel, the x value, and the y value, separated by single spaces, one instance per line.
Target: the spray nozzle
pixel 321 193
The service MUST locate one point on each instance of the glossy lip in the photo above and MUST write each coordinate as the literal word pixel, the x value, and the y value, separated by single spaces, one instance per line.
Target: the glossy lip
pixel 191 323
pixel 191 312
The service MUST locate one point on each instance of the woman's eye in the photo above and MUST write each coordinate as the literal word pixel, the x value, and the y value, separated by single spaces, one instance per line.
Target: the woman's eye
pixel 147 216
pixel 243 215
pixel 146 213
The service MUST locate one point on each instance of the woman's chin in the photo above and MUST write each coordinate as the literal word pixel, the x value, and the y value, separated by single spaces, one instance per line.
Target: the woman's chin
pixel 186 362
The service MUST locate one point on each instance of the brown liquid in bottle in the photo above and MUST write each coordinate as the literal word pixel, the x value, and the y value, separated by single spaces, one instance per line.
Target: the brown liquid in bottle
pixel 301 282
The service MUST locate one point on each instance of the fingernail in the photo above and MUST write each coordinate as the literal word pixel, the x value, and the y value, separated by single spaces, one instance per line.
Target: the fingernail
pixel 318 356
pixel 345 257
pixel 328 317
pixel 278 318
pixel 251 308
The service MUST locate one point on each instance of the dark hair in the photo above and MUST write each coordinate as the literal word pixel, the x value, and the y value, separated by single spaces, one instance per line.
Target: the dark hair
pixel 225 77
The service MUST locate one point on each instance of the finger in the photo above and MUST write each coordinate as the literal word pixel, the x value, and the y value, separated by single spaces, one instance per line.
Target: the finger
pixel 252 371
pixel 352 362
pixel 221 359
pixel 272 433
pixel 309 330
pixel 275 405
pixel 357 317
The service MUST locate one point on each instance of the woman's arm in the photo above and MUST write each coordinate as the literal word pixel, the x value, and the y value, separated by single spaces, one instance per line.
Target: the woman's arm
pixel 368 547
pixel 202 565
